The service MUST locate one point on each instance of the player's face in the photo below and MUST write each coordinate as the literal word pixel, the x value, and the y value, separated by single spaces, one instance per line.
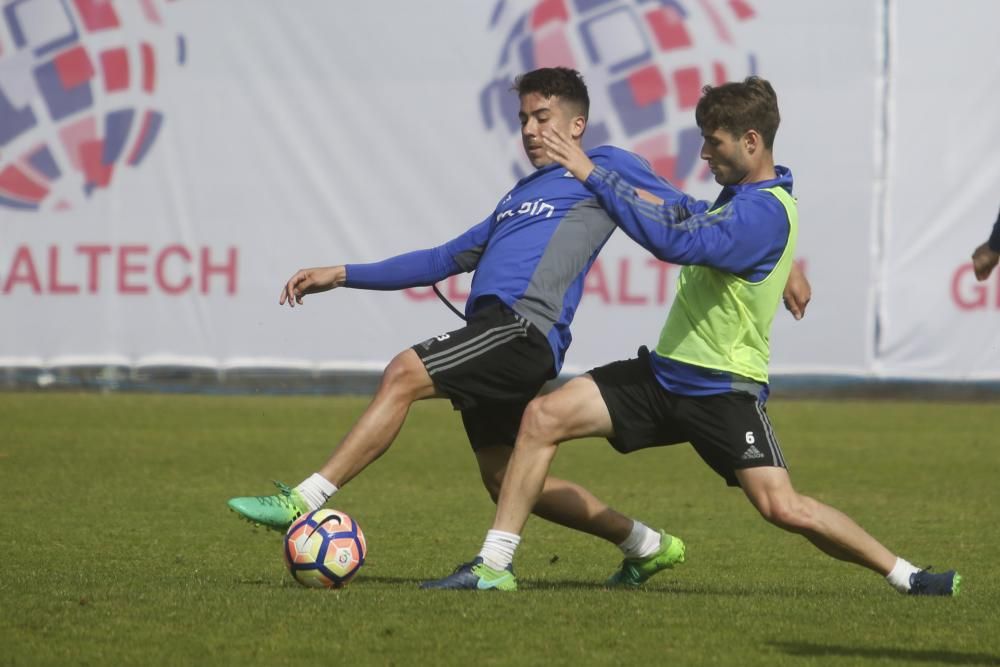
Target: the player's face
pixel 539 113
pixel 727 156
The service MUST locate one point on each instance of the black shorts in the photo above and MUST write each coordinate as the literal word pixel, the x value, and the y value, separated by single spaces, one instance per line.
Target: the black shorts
pixel 490 369
pixel 730 431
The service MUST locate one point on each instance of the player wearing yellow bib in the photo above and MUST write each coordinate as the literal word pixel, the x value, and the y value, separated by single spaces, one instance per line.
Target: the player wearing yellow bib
pixel 706 381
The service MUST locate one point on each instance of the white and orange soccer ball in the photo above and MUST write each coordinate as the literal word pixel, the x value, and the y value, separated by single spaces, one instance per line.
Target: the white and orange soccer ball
pixel 324 549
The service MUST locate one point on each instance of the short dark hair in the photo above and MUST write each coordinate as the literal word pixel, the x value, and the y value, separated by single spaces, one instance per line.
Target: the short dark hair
pixel 738 107
pixel 565 83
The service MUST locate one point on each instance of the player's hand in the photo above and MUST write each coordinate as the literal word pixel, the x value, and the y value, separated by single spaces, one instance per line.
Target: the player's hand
pixel 797 292
pixel 983 261
pixel 311 281
pixel 567 153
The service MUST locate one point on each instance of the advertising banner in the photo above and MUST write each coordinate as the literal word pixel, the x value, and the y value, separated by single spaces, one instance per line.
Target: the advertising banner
pixel 165 166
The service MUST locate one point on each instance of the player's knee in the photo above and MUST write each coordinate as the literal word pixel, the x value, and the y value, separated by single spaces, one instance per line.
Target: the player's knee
pixel 789 512
pixel 404 376
pixel 541 422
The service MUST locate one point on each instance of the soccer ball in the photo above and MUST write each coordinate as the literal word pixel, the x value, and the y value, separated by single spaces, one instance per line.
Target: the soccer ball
pixel 324 549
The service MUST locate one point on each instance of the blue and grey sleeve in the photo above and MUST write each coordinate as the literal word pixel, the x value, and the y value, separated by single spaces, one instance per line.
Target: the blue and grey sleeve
pixel 422 267
pixel 737 238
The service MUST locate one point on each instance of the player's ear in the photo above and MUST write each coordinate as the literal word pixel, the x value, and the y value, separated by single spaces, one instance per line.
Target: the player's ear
pixel 577 126
pixel 752 141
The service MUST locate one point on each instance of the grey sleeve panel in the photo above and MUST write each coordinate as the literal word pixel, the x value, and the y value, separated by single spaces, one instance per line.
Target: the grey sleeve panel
pixel 468 260
pixel 580 234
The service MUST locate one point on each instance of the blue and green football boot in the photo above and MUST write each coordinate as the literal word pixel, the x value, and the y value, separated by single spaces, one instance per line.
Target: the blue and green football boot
pixel 926 582
pixel 476 576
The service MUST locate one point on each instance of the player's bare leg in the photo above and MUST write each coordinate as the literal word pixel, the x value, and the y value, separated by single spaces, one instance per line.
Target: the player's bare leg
pixel 836 534
pixel 404 381
pixel 561 501
pixel 576 410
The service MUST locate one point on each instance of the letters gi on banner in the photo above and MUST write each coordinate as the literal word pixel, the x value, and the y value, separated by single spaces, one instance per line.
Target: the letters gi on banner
pixel 937 322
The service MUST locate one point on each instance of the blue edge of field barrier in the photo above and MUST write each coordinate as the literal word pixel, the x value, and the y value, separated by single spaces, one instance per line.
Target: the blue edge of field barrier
pixel 285 381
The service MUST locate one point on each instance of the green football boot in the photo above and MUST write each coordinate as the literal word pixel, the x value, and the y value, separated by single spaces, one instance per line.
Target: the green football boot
pixel 276 512
pixel 635 571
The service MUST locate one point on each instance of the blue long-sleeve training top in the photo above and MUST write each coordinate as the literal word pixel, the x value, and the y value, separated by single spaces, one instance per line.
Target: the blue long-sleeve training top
pixel 746 238
pixel 532 252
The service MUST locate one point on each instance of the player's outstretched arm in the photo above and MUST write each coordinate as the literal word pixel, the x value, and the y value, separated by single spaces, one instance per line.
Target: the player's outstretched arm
pixel 984 259
pixel 311 281
pixel 797 292
pixel 570 155
pixel 411 269
pixel 577 162
pixel 679 230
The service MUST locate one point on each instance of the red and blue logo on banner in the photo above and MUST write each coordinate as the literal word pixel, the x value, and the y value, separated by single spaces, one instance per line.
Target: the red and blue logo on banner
pixel 77 95
pixel 645 63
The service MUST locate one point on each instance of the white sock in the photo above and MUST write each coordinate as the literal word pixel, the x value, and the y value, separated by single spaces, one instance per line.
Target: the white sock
pixel 498 549
pixel 899 578
pixel 316 490
pixel 642 541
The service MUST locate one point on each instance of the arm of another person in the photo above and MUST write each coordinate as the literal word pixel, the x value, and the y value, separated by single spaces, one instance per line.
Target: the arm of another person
pixel 986 256
pixel 678 231
pixel 670 231
pixel 649 185
pixel 736 238
pixel 412 269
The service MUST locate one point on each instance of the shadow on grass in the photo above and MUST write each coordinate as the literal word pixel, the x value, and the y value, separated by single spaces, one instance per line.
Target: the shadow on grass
pixel 937 657
pixel 394 581
pixel 288 582
pixel 522 584
pixel 673 589
pixel 527 585
pixel 255 582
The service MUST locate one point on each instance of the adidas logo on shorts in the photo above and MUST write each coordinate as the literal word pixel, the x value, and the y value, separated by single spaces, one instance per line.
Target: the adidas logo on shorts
pixel 752 453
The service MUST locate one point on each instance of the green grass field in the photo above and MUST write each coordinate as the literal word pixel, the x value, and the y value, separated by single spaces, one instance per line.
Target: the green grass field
pixel 117 547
